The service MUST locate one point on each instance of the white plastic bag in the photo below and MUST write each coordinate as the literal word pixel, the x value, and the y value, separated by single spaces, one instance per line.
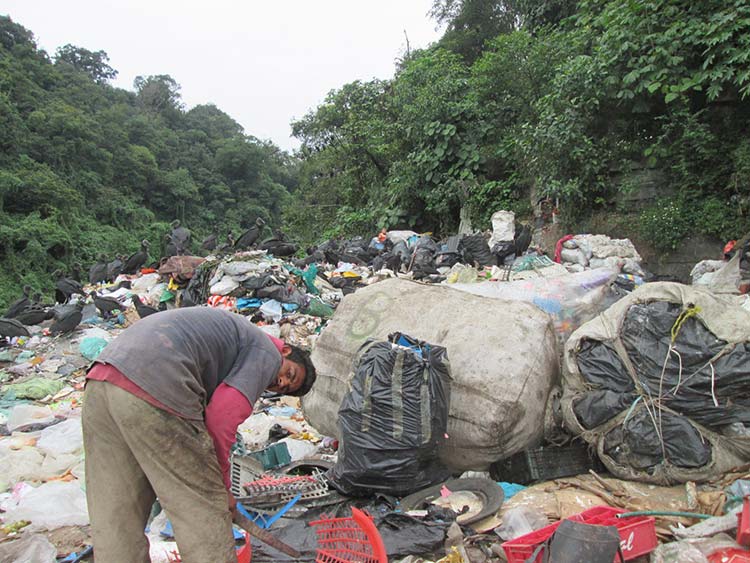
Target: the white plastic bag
pixel 24 415
pixel 225 286
pixel 63 438
pixel 299 449
pixel 145 283
pixel 574 256
pixel 34 548
pixel 272 310
pixel 19 465
pixel 503 227
pixel 51 506
pixel 520 521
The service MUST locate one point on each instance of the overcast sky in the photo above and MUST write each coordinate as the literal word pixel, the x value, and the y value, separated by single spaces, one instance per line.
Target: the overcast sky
pixel 264 63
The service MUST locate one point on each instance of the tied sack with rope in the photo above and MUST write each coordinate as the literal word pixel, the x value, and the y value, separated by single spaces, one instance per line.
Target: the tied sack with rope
pixel 659 384
pixel 393 418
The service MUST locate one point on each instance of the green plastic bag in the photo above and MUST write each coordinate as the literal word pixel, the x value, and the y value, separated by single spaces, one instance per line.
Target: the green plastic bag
pixel 36 389
pixel 308 276
pixel 91 347
pixel 317 308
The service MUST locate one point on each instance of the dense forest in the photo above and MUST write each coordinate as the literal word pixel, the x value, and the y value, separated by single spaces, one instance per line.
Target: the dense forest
pixel 522 99
pixel 88 169
pixel 519 100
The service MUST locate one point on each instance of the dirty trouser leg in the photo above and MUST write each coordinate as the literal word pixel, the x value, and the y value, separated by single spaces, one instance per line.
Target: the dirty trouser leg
pixel 118 494
pixel 179 460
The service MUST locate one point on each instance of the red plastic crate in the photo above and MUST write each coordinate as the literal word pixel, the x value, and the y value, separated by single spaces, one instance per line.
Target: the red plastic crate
pixel 349 540
pixel 637 534
pixel 730 555
pixel 743 523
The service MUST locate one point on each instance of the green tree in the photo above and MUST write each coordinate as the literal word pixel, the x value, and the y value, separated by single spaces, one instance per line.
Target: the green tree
pixel 94 63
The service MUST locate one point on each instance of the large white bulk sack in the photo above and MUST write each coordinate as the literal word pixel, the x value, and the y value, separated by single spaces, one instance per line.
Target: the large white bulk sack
pixel 503 227
pixel 660 384
pixel 503 357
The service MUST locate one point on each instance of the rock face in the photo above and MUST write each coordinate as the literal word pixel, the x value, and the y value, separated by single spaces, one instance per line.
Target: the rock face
pixel 503 357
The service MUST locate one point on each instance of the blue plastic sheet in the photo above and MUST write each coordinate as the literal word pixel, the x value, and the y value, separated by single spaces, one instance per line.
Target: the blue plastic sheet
pixel 510 489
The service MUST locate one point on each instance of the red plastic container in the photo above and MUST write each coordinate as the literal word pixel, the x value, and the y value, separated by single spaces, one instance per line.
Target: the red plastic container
pixel 743 523
pixel 730 556
pixel 349 540
pixel 637 534
pixel 244 552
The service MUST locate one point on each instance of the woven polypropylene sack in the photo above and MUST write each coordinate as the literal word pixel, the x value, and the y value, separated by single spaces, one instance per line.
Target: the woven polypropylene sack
pixel 660 384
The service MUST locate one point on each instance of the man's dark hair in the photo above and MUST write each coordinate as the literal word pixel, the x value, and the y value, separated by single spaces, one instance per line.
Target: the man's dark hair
pixel 299 356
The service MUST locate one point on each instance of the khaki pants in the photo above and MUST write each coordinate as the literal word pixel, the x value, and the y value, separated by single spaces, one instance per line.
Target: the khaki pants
pixel 136 452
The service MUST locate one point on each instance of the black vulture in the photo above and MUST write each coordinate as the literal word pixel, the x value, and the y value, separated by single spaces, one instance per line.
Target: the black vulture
pixel 34 314
pixel 12 327
pixel 75 272
pixel 114 268
pixel 170 248
pixel 137 260
pixel 180 237
pixel 106 305
pixel 229 244
pixel 67 318
pixel 19 304
pixel 248 238
pixel 98 272
pixel 279 248
pixel 209 243
pixel 522 239
pixel 127 284
pixel 65 287
pixel 143 309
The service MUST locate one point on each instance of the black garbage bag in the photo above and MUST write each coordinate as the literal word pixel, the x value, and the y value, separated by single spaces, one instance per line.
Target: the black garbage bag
pixel 198 289
pixel 475 249
pixel 646 439
pixel 501 250
pixel 279 248
pixel 402 251
pixel 449 255
pixel 393 418
pixel 424 263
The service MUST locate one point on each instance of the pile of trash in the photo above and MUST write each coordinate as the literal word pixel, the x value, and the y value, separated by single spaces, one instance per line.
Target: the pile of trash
pixel 435 360
pixel 581 252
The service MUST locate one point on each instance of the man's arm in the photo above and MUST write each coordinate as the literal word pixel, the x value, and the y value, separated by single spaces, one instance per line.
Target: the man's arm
pixel 227 409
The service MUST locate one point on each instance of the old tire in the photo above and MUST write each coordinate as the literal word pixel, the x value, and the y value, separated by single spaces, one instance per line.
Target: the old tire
pixel 487 491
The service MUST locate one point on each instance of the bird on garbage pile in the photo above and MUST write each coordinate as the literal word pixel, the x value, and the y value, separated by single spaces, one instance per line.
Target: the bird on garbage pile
pixel 67 318
pixel 229 244
pixel 12 327
pixel 34 314
pixel 522 239
pixel 114 268
pixel 75 271
pixel 142 309
pixel 105 305
pixel 280 248
pixel 137 260
pixel 248 238
pixel 210 242
pixel 170 247
pixel 180 237
pixel 127 284
pixel 19 304
pixel 65 287
pixel 98 272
